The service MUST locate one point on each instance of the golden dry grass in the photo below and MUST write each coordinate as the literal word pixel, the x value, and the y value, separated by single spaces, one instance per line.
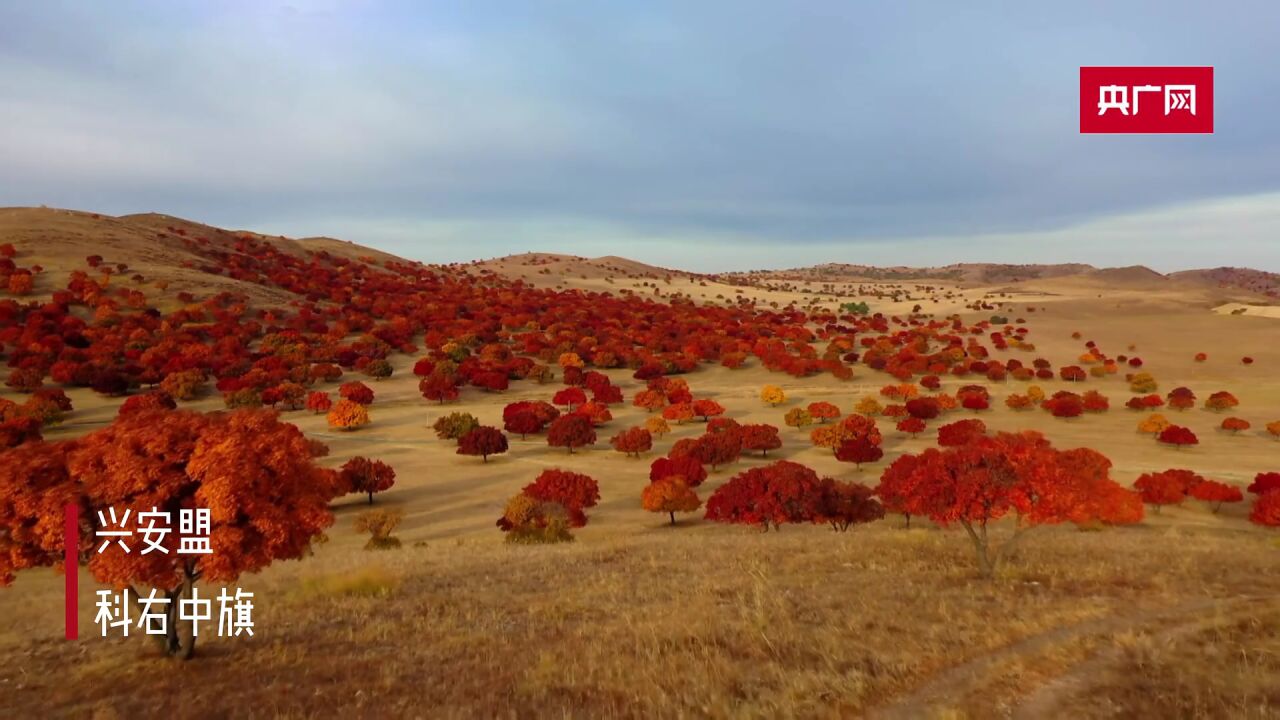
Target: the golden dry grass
pixel 724 623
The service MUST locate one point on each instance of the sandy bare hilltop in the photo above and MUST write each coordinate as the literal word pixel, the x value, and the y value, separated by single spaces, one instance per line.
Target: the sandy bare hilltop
pixel 1178 616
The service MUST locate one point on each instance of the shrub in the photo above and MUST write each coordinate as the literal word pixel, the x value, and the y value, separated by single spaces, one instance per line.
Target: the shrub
pixel 1142 383
pixel 156 400
pixel 454 425
pixel 527 520
pixel 379 524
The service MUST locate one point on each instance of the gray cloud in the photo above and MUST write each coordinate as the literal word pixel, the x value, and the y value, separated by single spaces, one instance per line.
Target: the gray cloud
pixel 636 129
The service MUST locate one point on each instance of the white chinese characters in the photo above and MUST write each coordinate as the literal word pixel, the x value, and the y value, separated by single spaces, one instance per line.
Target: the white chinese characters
pixel 235 612
pixel 153 527
pixel 1120 97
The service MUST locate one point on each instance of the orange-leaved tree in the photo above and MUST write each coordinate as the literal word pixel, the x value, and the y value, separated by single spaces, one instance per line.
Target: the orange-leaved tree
pixel 347 415
pixel 772 395
pixel 669 495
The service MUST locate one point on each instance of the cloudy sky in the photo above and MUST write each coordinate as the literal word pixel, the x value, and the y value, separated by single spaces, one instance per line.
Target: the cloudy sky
pixel 698 134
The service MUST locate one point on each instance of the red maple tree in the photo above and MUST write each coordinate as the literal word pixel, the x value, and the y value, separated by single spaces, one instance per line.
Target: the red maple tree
pixel 632 441
pixel 1178 436
pixel 365 476
pixel 769 496
pixel 571 431
pixel 483 441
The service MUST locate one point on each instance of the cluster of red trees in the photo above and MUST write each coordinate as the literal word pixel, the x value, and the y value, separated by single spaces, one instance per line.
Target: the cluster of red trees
pixel 1171 487
pixel 528 417
pixel 787 492
pixel 546 508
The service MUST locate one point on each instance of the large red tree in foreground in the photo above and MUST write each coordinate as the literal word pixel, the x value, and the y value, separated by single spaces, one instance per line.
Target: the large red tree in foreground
pixel 978 483
pixel 266 497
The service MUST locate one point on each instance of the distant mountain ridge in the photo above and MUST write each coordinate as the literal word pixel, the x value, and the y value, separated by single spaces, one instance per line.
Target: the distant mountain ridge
pixel 64 237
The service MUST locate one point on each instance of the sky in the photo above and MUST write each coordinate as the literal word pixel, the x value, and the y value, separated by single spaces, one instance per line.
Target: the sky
pixel 697 134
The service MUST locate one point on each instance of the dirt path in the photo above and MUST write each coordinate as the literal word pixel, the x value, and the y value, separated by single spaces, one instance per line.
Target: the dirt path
pixel 941 690
pixel 1055 693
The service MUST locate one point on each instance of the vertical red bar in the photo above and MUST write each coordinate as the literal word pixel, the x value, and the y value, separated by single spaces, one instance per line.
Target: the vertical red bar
pixel 71 561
